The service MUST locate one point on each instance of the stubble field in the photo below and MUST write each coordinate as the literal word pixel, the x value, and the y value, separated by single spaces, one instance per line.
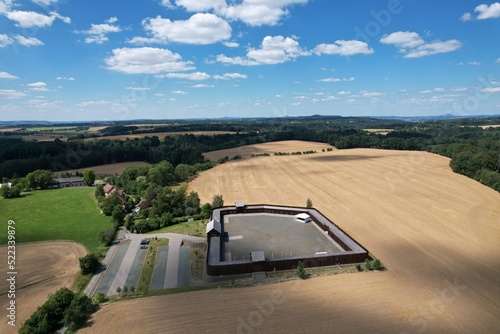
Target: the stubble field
pixel 42 269
pixel 436 232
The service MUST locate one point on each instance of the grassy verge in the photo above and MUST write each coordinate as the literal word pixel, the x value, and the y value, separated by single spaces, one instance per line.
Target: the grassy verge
pixel 197 263
pixel 196 228
pixel 80 282
pixel 58 214
pixel 149 263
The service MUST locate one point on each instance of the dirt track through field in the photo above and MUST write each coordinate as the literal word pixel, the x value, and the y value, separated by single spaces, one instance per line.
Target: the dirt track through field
pixel 438 233
pixel 42 269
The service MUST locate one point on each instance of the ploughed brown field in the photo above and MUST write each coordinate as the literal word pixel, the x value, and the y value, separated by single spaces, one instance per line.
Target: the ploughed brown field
pixel 110 169
pixel 42 269
pixel 436 232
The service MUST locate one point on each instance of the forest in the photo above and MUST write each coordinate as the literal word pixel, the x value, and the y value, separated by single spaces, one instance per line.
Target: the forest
pixel 473 147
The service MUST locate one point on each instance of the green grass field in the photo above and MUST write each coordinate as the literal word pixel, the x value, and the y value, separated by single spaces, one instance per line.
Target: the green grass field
pixel 59 214
pixel 196 228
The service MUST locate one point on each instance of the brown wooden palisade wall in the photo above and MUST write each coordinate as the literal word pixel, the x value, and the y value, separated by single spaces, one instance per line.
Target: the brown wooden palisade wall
pixel 244 267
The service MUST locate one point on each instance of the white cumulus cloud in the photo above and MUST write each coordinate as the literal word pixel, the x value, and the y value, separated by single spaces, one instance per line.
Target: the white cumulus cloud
pixel 28 19
pixel 5 75
pixel 228 76
pixel 466 17
pixel 12 94
pixel 146 60
pixel 413 46
pixel 488 12
pixel 336 79
pixel 194 76
pixel 5 40
pixel 343 48
pixel 273 50
pixel 28 41
pixel 491 90
pixel 38 86
pixel 98 32
pixel 201 28
pixel 251 12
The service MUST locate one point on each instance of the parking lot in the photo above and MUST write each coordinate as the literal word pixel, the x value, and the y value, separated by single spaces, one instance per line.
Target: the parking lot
pixel 172 266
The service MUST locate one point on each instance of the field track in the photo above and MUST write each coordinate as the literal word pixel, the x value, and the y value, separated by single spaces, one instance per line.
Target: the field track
pixel 42 269
pixel 437 232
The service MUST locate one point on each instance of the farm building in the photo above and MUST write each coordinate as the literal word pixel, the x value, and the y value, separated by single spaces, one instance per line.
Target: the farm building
pixel 67 182
pixel 109 189
pixel 99 183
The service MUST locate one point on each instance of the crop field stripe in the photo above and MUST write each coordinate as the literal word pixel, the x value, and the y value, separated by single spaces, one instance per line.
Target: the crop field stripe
pixel 160 267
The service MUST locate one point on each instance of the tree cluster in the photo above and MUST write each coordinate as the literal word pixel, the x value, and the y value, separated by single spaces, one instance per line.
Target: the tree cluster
pixel 63 308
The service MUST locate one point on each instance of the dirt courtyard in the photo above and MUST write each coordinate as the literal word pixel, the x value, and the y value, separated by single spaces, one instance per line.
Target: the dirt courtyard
pixel 276 235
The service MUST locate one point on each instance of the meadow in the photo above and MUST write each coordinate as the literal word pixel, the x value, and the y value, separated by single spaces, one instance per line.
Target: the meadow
pixel 58 214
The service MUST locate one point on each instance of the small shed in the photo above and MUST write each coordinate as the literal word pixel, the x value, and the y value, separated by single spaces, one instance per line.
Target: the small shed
pixel 213 228
pixel 303 217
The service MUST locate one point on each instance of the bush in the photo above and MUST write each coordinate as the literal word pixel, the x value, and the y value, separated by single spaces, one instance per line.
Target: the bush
pixel 78 312
pixel 301 272
pixel 100 298
pixel 377 265
pixel 368 265
pixel 107 236
pixel 358 267
pixel 309 203
pixel 89 264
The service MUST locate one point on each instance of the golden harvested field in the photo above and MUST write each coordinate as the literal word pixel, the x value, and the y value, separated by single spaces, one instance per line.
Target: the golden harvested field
pixel 287 146
pixel 163 134
pixel 490 126
pixel 42 269
pixel 438 234
pixel 9 129
pixel 111 169
pixel 96 128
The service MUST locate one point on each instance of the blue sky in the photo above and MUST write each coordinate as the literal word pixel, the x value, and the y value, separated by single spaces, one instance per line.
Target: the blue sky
pixel 69 60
